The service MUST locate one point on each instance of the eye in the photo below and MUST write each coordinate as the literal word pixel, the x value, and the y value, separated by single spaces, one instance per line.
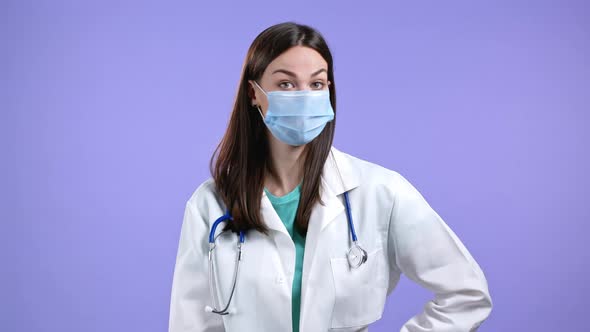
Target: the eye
pixel 285 85
pixel 318 85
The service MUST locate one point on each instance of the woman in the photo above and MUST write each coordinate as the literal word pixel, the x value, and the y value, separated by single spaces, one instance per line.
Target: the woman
pixel 292 207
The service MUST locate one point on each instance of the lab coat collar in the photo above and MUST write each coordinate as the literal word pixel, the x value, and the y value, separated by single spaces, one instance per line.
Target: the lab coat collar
pixel 331 175
pixel 331 187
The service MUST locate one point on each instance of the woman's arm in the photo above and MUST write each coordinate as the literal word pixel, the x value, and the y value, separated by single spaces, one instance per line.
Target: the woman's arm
pixel 190 287
pixel 428 252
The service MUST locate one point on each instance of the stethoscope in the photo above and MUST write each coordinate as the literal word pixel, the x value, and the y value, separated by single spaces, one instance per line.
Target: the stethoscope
pixel 356 255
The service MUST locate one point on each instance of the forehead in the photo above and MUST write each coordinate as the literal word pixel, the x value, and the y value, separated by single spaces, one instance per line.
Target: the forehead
pixel 298 59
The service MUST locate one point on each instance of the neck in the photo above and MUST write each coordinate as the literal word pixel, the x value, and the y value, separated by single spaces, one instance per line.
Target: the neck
pixel 285 167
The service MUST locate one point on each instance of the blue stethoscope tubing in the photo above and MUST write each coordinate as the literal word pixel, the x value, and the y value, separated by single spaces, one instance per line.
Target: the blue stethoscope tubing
pixel 241 237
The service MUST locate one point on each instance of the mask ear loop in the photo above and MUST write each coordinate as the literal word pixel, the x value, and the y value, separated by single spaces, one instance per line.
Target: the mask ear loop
pixel 261 89
pixel 257 105
pixel 259 111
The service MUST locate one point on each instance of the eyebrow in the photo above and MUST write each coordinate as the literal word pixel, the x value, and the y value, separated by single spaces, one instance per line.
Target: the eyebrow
pixel 292 74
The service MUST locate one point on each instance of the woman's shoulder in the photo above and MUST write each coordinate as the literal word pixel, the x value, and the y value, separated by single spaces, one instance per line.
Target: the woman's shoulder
pixel 373 175
pixel 368 171
pixel 203 189
pixel 205 197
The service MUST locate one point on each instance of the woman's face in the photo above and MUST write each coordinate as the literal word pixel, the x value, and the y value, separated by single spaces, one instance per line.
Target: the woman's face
pixel 298 68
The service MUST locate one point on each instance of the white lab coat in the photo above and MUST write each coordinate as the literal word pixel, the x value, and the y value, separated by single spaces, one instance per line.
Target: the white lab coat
pixel 394 224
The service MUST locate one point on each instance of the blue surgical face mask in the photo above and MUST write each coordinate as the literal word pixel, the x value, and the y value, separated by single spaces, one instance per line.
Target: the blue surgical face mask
pixel 297 117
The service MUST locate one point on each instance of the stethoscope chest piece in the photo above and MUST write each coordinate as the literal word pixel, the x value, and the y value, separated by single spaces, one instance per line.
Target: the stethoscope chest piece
pixel 356 256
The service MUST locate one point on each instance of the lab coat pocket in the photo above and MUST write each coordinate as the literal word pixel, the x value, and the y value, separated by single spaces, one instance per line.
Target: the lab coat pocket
pixel 359 293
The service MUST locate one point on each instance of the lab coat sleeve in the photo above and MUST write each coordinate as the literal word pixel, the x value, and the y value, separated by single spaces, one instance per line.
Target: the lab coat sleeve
pixel 190 286
pixel 429 253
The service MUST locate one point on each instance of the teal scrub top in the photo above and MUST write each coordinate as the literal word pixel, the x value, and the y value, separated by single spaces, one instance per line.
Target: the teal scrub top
pixel 286 208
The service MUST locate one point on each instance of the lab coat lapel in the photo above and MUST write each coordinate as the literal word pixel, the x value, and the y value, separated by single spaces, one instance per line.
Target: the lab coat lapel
pixel 281 238
pixel 330 192
pixel 270 216
pixel 322 215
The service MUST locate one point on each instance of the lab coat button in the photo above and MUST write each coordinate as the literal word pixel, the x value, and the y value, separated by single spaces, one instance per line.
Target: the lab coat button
pixel 280 279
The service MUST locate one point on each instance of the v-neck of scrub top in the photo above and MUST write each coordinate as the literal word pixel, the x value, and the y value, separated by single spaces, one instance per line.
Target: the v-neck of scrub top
pixel 286 207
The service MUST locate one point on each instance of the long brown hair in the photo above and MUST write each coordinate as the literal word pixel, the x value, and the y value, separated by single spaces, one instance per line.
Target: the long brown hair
pixel 242 154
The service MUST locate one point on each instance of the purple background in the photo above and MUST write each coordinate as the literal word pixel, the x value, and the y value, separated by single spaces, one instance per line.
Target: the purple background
pixel 111 110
